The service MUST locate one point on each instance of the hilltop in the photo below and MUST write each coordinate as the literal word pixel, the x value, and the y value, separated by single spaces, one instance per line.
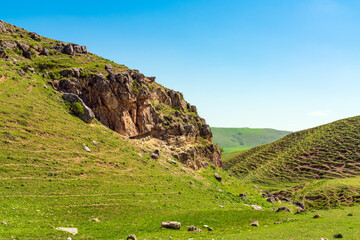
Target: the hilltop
pixel 239 139
pixel 326 152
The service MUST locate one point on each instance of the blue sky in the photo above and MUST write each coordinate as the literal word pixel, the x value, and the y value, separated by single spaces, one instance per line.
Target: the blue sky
pixel 284 64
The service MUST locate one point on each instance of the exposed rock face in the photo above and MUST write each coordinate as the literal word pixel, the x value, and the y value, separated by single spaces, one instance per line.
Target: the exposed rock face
pixel 133 105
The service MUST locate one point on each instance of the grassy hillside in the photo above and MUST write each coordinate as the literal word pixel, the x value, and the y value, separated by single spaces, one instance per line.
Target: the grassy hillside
pixel 239 139
pixel 48 180
pixel 330 151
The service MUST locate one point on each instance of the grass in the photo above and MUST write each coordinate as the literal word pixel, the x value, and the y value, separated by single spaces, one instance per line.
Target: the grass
pixel 48 180
pixel 239 139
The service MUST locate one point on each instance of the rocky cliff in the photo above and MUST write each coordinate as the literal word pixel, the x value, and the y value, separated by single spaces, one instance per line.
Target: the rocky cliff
pixel 123 99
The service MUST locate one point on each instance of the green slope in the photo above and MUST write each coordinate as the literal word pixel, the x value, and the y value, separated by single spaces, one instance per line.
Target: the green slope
pixel 239 139
pixel 329 151
pixel 47 180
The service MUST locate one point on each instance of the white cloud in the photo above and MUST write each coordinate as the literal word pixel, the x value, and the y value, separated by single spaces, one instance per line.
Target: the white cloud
pixel 320 113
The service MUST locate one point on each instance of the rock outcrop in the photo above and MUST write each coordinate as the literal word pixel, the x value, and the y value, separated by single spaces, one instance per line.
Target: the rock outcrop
pixel 133 105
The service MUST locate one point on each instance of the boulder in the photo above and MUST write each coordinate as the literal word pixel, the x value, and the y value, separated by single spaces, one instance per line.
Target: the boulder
pixel 26 52
pixel 45 52
pixel 2 27
pixel 151 79
pixel 131 237
pixel 68 49
pixel 171 225
pixel 256 207
pixel 108 67
pixel 284 209
pixel 271 199
pixel 255 223
pixel 194 229
pixel 74 72
pixel 155 155
pixel 86 114
pixel 86 148
pixel 243 196
pixel 300 210
pixel 2 53
pixel 34 36
pixel 287 200
pixel 218 177
pixel 300 204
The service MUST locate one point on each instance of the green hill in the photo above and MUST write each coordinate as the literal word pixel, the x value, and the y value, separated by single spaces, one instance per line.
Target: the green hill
pixel 48 180
pixel 326 152
pixel 239 139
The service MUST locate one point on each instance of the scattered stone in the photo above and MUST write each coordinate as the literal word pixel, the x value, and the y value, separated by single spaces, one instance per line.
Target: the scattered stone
pixel 74 72
pixel 243 195
pixel 86 148
pixel 108 67
pixel 151 79
pixel 2 27
pixel 31 69
pixel 256 207
pixel 271 199
pixel 339 235
pixel 131 237
pixel 2 53
pixel 87 114
pixel 300 204
pixel 316 216
pixel 255 187
pixel 95 142
pixel 46 87
pixel 277 222
pixel 323 239
pixel 171 225
pixel 21 72
pixel 205 164
pixel 285 209
pixel 155 155
pixel 218 177
pixel 220 190
pixel 26 52
pixel 94 220
pixel 194 229
pixel 210 229
pixel 255 223
pixel 350 214
pixel 221 206
pixel 68 49
pixel 73 231
pixel 206 226
pixel 4 222
pixel 274 209
pixel 69 238
pixel 299 210
pixel 34 36
pixel 45 52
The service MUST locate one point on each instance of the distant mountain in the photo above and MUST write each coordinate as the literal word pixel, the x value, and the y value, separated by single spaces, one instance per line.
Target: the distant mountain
pixel 238 139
